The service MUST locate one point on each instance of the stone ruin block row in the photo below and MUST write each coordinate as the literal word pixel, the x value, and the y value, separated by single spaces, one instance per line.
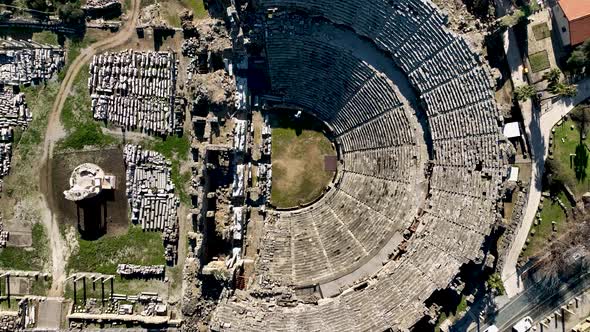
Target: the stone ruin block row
pixel 136 90
pixel 149 188
pixel 140 270
pixel 101 4
pixel 150 192
pixel 14 110
pixel 26 62
pixel 3 235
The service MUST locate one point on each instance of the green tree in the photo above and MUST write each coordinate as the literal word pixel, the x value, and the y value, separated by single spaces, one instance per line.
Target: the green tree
pixel 581 116
pixel 580 58
pixel 71 13
pixel 553 76
pixel 577 60
pixel 565 90
pixel 36 4
pixel 524 92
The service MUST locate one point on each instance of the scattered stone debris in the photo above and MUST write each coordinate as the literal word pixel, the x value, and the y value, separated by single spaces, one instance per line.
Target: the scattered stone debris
pixel 151 195
pixel 101 4
pixel 141 271
pixel 3 235
pixel 137 90
pixel 13 112
pixel 25 62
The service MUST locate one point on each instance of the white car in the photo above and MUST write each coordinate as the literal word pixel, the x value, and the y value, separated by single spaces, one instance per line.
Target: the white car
pixel 523 325
pixel 492 328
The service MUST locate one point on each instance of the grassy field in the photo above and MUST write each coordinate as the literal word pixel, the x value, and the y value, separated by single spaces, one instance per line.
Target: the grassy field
pixel 103 255
pixel 76 117
pixel 28 259
pixel 540 234
pixel 298 150
pixel 45 37
pixel 539 61
pixel 197 6
pixel 566 140
pixel 541 31
pixel 22 180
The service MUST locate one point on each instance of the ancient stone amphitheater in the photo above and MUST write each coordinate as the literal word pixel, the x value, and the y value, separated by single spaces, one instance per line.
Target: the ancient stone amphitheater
pixel 412 111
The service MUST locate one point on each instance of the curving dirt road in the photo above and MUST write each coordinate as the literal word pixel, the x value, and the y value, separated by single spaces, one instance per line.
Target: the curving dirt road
pixel 55 131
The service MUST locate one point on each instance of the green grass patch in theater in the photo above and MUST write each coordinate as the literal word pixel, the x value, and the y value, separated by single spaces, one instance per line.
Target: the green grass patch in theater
pixel 298 150
pixel 539 61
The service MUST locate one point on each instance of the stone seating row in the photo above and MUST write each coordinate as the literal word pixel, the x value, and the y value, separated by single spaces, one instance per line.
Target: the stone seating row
pixel 390 163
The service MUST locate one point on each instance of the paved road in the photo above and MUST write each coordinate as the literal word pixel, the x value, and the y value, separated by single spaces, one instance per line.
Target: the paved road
pixel 55 132
pixel 537 302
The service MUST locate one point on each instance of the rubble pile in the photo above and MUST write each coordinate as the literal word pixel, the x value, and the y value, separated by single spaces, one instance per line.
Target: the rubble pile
pixel 9 322
pixel 26 62
pixel 136 90
pixel 208 41
pixel 101 4
pixel 150 192
pixel 140 270
pixel 3 235
pixel 13 112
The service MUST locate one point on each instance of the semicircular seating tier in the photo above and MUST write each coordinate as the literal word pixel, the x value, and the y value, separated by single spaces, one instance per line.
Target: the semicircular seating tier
pixel 317 68
pixel 380 145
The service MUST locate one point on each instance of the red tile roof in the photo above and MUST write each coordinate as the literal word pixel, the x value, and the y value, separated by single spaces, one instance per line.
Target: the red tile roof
pixel 577 13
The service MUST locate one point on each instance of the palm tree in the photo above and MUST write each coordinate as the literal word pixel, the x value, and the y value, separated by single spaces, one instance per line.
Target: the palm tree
pixel 524 92
pixel 552 76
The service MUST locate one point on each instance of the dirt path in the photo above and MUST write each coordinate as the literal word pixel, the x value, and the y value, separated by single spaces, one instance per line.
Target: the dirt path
pixel 54 132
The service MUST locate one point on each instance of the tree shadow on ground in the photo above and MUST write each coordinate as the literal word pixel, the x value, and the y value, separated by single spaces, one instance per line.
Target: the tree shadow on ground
pixel 581 162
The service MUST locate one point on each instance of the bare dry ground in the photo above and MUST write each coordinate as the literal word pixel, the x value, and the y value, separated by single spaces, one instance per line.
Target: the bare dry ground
pixel 298 150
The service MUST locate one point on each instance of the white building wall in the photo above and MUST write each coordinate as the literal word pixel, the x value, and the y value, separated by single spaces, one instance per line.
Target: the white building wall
pixel 562 25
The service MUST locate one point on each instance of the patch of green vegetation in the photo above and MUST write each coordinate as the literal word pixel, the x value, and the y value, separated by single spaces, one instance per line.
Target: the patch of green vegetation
pixel 40 286
pixel 461 307
pixel 9 305
pixel 27 259
pixel 74 48
pixel 495 282
pixel 565 142
pixel 76 117
pixel 39 99
pixel 126 5
pixel 541 31
pixel 176 149
pixel 103 255
pixel 197 6
pixel 298 151
pixel 539 61
pixel 511 20
pixel 45 37
pixel 174 20
pixel 541 233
